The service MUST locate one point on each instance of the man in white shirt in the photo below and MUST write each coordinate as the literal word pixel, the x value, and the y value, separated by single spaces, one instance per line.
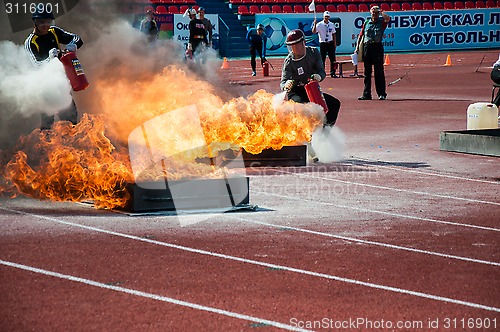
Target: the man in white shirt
pixel 327 40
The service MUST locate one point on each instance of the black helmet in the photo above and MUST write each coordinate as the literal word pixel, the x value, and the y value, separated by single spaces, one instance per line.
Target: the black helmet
pixel 294 37
pixel 201 9
pixel 260 27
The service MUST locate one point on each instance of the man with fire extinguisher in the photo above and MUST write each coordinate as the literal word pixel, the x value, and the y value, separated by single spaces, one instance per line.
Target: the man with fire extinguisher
pixel 302 65
pixel 257 39
pixel 44 44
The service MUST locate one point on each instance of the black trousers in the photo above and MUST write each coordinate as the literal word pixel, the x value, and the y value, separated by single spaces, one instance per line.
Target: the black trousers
pixel 374 56
pixel 328 49
pixel 298 94
pixel 254 49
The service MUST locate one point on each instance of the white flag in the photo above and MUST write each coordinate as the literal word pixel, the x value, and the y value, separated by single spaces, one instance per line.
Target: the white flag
pixel 312 7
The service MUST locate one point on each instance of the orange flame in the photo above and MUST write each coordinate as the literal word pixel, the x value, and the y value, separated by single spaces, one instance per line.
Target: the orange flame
pixel 75 163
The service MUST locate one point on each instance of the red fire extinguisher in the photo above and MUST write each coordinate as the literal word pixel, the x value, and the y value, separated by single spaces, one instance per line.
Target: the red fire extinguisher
pixel 265 68
pixel 315 95
pixel 74 71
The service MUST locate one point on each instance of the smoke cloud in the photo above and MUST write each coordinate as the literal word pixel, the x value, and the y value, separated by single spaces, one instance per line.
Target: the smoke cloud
pixel 113 50
pixel 328 144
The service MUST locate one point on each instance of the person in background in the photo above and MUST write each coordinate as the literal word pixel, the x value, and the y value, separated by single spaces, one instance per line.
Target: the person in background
pixel 257 39
pixel 197 32
pixel 149 26
pixel 208 25
pixel 303 64
pixel 495 77
pixel 373 52
pixel 327 41
pixel 45 43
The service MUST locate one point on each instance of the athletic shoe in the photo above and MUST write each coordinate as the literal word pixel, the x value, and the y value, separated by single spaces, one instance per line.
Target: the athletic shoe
pixel 363 97
pixel 381 98
pixel 254 73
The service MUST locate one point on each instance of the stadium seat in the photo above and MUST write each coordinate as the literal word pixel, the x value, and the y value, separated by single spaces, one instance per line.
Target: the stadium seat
pixel 406 6
pixel 437 5
pixel 416 6
pixel 331 8
pixel 276 9
pixel 448 5
pixel 395 6
pixel 427 6
pixel 363 7
pixel 459 5
pixel 352 8
pixel 298 9
pixel 320 8
pixel 341 8
pixel 254 9
pixel 161 10
pixel 469 4
pixel 490 4
pixel 182 9
pixel 384 6
pixel 287 9
pixel 243 10
pixel 264 9
pixel 173 10
pixel 480 4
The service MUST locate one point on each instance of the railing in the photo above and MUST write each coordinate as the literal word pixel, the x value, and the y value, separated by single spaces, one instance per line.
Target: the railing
pixel 223 37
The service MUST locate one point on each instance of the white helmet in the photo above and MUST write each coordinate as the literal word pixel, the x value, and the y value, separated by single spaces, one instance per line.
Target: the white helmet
pixel 189 11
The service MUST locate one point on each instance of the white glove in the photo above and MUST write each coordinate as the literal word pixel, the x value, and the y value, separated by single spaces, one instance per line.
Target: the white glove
pixel 71 47
pixel 289 85
pixel 53 53
pixel 190 46
pixel 316 77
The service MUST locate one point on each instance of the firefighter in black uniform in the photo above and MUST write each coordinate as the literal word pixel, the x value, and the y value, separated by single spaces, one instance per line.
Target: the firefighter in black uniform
pixel 43 45
pixel 197 32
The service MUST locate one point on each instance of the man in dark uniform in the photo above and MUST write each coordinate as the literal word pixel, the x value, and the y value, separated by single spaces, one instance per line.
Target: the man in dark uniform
pixel 197 32
pixel 43 45
pixel 208 25
pixel 373 52
pixel 302 64
pixel 257 40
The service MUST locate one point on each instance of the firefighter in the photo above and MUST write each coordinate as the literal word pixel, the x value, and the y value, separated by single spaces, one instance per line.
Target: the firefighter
pixel 197 32
pixel 208 25
pixel 45 43
pixel 257 40
pixel 149 26
pixel 302 64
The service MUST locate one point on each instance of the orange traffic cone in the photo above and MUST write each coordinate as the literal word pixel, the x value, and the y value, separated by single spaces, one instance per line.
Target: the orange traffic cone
pixel 225 64
pixel 387 60
pixel 448 61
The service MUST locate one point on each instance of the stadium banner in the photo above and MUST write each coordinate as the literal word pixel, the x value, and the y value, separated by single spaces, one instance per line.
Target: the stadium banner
pixel 176 26
pixel 408 31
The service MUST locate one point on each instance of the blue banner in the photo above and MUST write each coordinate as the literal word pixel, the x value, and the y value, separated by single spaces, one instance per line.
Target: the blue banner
pixel 408 31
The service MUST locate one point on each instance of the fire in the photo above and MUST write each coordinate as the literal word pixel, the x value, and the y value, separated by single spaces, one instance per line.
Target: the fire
pixel 75 163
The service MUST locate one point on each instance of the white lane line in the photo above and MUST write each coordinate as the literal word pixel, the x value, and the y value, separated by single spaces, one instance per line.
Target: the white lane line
pixel 152 296
pixel 269 265
pixel 381 244
pixel 392 214
pixel 420 172
pixel 391 188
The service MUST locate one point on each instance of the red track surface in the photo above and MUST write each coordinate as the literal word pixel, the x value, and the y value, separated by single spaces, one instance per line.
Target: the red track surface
pixel 398 232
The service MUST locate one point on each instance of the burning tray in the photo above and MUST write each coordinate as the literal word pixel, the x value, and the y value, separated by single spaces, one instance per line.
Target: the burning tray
pixel 286 156
pixel 191 194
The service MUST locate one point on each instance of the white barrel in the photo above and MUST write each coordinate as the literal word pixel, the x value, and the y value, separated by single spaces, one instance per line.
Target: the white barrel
pixel 482 116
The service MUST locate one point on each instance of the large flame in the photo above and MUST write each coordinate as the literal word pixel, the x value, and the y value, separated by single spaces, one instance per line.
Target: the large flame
pixel 75 163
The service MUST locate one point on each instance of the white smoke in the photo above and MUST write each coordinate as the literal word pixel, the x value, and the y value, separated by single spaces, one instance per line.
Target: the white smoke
pixel 28 90
pixel 328 144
